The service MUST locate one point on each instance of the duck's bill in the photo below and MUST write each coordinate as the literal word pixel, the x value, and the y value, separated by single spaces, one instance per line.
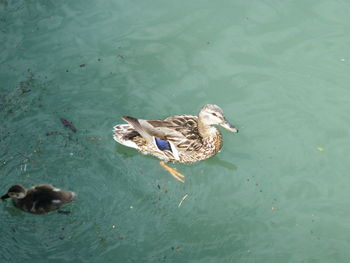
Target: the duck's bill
pixel 4 197
pixel 229 126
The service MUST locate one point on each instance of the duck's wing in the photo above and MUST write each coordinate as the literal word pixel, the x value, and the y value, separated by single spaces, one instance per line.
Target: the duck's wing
pixel 48 195
pixel 180 131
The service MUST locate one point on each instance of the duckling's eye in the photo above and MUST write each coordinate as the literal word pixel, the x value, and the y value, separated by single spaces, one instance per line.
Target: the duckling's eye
pixel 214 114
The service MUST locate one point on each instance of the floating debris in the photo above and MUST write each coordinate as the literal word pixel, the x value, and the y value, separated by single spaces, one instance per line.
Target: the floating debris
pixel 321 149
pixel 51 133
pixel 183 198
pixel 94 139
pixel 68 124
pixel 82 65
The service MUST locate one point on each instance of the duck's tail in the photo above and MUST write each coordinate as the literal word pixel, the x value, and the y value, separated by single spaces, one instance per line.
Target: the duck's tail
pixel 123 133
pixel 73 195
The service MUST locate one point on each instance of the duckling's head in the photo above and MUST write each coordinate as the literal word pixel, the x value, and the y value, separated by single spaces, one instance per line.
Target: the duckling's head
pixel 212 114
pixel 16 191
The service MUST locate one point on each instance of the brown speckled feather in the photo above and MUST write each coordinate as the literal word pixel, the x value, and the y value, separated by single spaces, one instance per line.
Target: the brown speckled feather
pixel 181 130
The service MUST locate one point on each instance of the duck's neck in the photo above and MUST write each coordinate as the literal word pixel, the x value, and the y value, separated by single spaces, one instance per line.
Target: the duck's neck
pixel 211 136
pixel 205 130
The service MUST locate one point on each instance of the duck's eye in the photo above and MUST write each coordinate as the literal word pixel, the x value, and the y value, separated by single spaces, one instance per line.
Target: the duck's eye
pixel 214 114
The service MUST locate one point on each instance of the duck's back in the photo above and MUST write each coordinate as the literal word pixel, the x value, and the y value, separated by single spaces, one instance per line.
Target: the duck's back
pixel 44 198
pixel 191 146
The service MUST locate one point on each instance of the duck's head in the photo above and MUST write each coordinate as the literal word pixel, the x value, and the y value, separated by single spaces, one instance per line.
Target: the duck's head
pixel 212 114
pixel 16 191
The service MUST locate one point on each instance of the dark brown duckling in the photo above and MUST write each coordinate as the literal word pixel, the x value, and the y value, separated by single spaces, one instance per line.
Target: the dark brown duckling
pixel 39 199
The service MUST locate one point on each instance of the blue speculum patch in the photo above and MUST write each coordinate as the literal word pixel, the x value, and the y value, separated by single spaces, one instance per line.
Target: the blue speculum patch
pixel 163 144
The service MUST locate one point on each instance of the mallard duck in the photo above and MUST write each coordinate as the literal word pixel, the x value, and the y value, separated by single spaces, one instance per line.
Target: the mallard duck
pixel 180 138
pixel 38 199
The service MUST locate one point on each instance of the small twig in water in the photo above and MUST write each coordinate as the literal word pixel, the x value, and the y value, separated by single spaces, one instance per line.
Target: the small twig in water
pixel 183 198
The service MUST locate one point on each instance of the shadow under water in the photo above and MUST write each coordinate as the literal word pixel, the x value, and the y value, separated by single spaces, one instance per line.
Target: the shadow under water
pixel 216 161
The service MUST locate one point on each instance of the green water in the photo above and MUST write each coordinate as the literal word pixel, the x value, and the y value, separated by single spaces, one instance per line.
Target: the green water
pixel 277 192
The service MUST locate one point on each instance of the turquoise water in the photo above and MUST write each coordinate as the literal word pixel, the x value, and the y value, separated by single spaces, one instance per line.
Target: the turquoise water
pixel 277 192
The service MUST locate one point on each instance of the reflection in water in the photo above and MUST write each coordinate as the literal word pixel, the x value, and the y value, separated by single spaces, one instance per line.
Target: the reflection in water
pixel 125 151
pixel 13 211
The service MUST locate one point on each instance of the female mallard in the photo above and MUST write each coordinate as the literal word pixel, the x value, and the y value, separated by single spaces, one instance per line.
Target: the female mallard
pixel 181 138
pixel 38 199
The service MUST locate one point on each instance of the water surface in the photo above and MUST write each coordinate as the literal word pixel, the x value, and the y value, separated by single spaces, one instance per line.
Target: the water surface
pixel 278 190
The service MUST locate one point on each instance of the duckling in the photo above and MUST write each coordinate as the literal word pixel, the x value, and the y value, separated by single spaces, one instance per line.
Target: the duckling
pixel 38 199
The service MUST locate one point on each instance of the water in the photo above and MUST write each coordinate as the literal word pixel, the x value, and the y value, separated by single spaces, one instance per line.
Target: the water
pixel 278 190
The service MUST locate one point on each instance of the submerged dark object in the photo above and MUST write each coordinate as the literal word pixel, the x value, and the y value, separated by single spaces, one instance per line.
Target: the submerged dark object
pixel 26 91
pixel 39 199
pixel 65 212
pixel 68 124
